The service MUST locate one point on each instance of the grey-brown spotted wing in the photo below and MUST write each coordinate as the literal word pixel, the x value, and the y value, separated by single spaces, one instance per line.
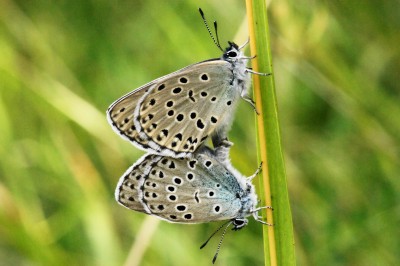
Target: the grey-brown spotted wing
pixel 175 114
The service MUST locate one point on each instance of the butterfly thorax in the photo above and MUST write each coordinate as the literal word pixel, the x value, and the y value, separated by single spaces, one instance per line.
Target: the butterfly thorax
pixel 248 201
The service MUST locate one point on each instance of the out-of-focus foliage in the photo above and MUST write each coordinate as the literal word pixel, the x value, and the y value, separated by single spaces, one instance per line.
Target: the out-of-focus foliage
pixel 63 62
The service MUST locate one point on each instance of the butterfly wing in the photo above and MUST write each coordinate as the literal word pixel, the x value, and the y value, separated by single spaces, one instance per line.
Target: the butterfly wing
pixel 175 114
pixel 181 190
pixel 128 192
pixel 120 115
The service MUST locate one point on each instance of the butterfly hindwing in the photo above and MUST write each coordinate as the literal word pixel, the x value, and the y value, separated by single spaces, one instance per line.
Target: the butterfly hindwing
pixel 184 190
pixel 121 115
pixel 129 188
pixel 175 114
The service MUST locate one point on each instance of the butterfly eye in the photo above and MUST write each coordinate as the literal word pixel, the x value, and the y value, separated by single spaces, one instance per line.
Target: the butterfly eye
pixel 232 54
pixel 239 223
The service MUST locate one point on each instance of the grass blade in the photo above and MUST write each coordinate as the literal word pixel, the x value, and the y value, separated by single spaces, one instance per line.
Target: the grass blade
pixel 278 239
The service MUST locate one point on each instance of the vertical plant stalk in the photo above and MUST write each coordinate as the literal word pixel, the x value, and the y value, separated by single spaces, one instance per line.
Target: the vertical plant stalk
pixel 278 239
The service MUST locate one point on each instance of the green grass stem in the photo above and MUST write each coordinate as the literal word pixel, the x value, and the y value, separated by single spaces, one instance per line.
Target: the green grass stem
pixel 278 239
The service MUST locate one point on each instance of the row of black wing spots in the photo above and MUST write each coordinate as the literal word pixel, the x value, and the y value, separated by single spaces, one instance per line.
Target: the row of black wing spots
pixel 171 105
pixel 129 178
pixel 200 122
pixel 126 127
pixel 152 163
pixel 163 133
pixel 159 172
pixel 206 190
pixel 117 110
pixel 119 118
pixel 121 115
pixel 131 183
pixel 143 139
pixel 176 178
pixel 179 139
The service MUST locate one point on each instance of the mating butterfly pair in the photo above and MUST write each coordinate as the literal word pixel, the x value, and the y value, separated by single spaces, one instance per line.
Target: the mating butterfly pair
pixel 180 179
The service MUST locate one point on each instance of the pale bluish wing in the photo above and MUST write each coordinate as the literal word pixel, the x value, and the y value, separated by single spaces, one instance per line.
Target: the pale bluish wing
pixel 191 190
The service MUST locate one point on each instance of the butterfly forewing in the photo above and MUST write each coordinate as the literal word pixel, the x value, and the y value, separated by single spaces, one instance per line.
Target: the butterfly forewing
pixel 175 114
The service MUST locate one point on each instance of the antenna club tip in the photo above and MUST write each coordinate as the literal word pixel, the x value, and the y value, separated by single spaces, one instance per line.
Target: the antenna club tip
pixel 201 12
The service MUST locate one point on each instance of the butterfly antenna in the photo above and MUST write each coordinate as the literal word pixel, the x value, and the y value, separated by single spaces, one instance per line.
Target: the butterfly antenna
pixel 216 231
pixel 220 243
pixel 209 31
pixel 216 35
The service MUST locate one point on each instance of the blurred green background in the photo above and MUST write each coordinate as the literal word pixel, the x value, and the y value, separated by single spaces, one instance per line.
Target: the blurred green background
pixel 62 63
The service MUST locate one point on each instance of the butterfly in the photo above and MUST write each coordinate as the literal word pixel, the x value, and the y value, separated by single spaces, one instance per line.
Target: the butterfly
pixel 200 189
pixel 174 114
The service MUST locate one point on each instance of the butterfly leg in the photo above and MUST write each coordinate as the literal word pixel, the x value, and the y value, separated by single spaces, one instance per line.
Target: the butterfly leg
pixel 255 174
pixel 261 221
pixel 257 73
pixel 244 94
pixel 248 57
pixel 222 150
pixel 259 218
pixel 243 45
pixel 249 100
pixel 261 208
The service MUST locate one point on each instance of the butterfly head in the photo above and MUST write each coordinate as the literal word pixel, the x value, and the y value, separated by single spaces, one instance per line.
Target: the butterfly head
pixel 232 53
pixel 239 223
